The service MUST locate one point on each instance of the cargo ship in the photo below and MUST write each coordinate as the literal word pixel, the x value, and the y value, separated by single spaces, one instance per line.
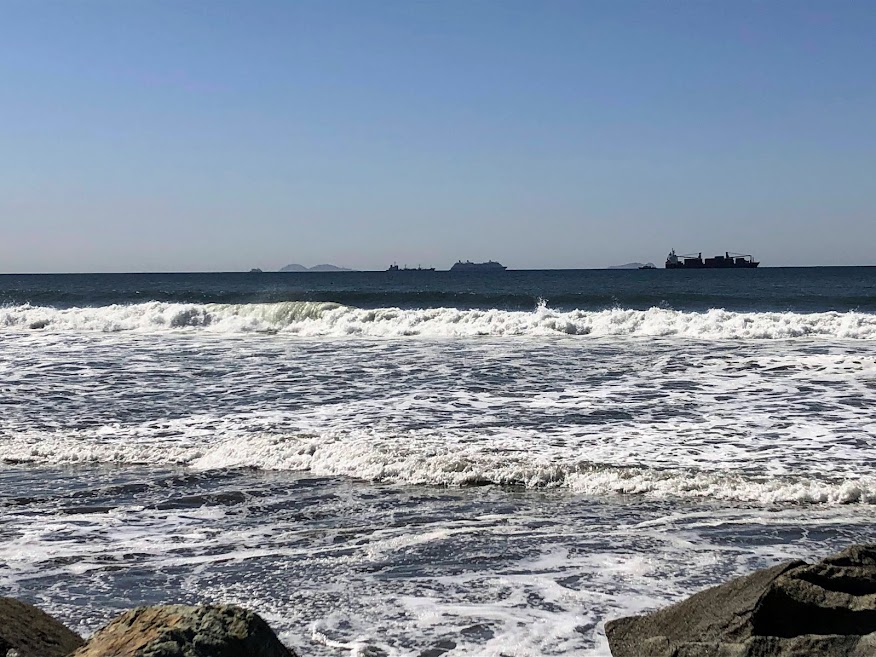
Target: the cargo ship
pixel 726 261
pixel 395 267
pixel 468 265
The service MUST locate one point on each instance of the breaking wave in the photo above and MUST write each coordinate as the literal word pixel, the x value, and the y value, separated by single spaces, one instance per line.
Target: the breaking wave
pixel 361 459
pixel 401 463
pixel 327 319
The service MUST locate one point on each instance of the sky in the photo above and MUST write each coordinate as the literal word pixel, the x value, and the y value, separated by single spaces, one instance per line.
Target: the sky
pixel 209 135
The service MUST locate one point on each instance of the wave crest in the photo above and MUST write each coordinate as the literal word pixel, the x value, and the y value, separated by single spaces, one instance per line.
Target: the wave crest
pixel 401 464
pixel 326 319
pixel 404 462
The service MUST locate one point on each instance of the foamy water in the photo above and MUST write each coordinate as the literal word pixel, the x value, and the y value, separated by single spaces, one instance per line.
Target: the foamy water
pixel 325 319
pixel 744 420
pixel 492 481
pixel 347 568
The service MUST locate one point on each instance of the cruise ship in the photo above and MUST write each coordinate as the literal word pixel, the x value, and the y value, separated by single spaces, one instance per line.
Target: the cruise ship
pixel 726 261
pixel 468 265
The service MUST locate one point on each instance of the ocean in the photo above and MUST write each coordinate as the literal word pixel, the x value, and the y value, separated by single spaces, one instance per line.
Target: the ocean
pixel 414 463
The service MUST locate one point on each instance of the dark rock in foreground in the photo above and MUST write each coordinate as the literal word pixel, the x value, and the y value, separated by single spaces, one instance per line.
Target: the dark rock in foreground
pixel 183 631
pixel 33 633
pixel 794 609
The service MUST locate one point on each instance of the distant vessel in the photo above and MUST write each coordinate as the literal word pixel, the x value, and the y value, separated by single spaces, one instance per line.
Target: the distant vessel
pixel 726 261
pixel 468 265
pixel 650 265
pixel 395 267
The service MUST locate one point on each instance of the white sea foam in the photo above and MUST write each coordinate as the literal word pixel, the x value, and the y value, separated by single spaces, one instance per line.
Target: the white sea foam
pixel 468 572
pixel 404 461
pixel 459 467
pixel 642 469
pixel 317 319
pixel 758 422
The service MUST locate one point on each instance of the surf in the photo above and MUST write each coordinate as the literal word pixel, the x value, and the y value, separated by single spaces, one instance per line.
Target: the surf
pixel 316 319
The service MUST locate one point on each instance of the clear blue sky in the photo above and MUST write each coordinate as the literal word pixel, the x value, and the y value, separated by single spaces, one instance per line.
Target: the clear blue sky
pixel 210 135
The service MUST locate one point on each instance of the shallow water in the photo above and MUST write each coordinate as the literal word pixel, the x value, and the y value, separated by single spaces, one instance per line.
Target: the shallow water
pixel 338 566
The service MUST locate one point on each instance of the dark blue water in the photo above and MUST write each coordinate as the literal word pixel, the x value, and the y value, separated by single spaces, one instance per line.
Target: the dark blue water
pixel 792 289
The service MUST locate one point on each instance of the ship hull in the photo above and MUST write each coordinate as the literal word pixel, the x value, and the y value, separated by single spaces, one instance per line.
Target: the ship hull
pixel 680 265
pixel 478 266
pixel 726 261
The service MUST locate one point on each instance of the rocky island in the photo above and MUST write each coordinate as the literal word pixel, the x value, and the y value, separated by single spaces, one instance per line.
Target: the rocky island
pixel 323 267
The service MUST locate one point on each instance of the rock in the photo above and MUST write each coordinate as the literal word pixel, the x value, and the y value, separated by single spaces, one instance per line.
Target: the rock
pixel 443 646
pixel 827 608
pixel 184 631
pixel 31 632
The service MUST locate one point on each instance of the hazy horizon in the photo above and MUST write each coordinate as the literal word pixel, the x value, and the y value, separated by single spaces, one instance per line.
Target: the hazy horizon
pixel 347 270
pixel 223 136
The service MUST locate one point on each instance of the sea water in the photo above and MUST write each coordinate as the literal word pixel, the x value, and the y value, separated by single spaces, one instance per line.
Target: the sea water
pixel 417 463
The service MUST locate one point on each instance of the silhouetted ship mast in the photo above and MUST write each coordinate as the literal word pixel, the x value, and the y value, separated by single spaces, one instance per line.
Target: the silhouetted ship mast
pixel 726 261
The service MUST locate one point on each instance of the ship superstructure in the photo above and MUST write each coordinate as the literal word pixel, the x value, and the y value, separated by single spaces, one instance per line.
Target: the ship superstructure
pixel 395 267
pixel 726 261
pixel 468 265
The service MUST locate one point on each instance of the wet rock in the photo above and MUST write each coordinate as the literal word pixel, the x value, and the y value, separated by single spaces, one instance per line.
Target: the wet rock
pixel 31 632
pixel 442 646
pixel 478 632
pixel 827 608
pixel 184 631
pixel 370 651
